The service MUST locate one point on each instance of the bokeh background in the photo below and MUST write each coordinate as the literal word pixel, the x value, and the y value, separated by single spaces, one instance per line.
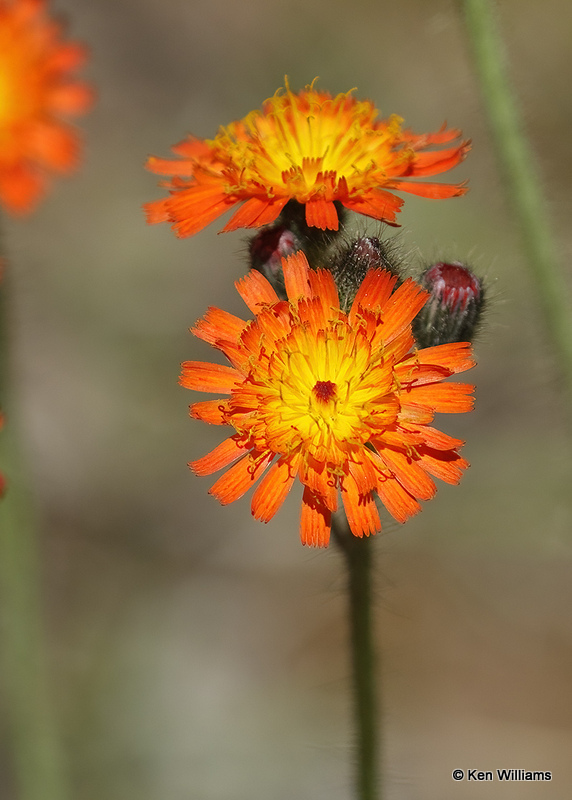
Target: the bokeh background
pixel 197 654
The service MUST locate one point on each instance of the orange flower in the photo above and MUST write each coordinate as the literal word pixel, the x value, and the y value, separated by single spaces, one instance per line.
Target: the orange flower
pixel 36 88
pixel 309 147
pixel 340 400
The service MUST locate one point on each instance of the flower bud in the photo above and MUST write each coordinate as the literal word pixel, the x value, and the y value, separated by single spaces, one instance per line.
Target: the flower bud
pixel 453 311
pixel 351 265
pixel 284 237
pixel 267 249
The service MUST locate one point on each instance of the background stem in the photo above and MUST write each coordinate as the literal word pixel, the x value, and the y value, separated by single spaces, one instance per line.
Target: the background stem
pixel 38 773
pixel 358 558
pixel 517 163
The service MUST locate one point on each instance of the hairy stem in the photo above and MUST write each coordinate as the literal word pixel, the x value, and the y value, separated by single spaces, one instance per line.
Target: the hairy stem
pixel 521 178
pixel 358 558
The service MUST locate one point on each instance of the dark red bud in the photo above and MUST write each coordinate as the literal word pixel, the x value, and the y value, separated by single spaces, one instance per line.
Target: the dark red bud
pixel 268 247
pixel 453 311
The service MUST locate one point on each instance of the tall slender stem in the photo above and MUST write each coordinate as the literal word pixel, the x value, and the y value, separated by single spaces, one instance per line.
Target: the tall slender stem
pixel 38 773
pixel 358 558
pixel 521 179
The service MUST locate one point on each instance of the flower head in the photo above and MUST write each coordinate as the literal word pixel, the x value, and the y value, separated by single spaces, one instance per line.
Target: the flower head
pixel 36 90
pixel 340 401
pixel 309 147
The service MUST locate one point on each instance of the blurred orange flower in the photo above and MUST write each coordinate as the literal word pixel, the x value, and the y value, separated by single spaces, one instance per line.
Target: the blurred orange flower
pixel 309 147
pixel 36 89
pixel 342 400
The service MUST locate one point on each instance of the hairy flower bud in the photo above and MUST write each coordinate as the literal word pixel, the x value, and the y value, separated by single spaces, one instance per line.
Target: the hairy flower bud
pixel 351 265
pixel 268 247
pixel 453 311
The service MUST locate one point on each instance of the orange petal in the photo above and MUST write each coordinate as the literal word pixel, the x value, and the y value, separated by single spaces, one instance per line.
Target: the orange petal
pixel 420 140
pixel 273 488
pixel 214 412
pixel 296 269
pixel 403 305
pixel 315 521
pixel 400 504
pixel 364 474
pixel 218 324
pixel 415 415
pixel 223 455
pixel 324 287
pixel 448 466
pixel 418 374
pixel 408 473
pixel 67 57
pixel 193 209
pixel 436 439
pixel 157 211
pixel 245 398
pixel 361 511
pixel 435 363
pixel 457 356
pixel 167 166
pixel 432 163
pixel 433 191
pixel 235 354
pixel 313 315
pixel 73 98
pixel 55 145
pixel 237 480
pixel 449 398
pixel 399 347
pixel 272 322
pixel 316 477
pixel 21 188
pixel 322 214
pixel 254 213
pixel 374 291
pixel 256 291
pixel 205 377
pixel 192 147
pixel 376 203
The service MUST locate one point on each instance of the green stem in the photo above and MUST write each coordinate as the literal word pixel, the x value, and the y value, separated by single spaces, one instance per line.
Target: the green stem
pixel 358 557
pixel 37 772
pixel 521 179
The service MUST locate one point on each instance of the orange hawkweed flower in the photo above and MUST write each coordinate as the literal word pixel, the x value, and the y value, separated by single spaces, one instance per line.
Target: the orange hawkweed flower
pixel 340 400
pixel 309 147
pixel 36 90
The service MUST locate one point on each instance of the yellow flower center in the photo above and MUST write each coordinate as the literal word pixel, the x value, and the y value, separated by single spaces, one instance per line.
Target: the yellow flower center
pixel 321 393
pixel 304 145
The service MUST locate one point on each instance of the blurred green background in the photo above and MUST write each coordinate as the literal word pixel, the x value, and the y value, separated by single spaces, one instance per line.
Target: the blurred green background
pixel 197 654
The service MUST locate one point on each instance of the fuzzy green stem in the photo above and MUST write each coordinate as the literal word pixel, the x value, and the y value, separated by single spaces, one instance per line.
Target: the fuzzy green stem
pixel 521 179
pixel 37 764
pixel 358 558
